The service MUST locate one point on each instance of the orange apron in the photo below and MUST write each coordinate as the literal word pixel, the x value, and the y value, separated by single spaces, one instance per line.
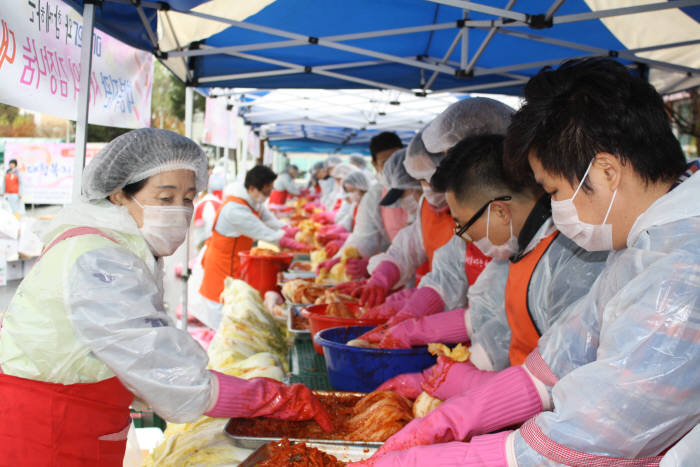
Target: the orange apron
pixel 57 425
pixel 11 183
pixel 354 215
pixel 524 332
pixel 278 197
pixel 437 228
pixel 221 259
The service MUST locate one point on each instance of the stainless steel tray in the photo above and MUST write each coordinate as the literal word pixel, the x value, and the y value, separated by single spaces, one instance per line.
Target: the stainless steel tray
pixel 254 442
pixel 342 453
pixel 296 309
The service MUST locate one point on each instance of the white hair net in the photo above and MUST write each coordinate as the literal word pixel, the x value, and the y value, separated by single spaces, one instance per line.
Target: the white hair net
pixel 332 161
pixel 342 170
pixel 139 154
pixel 469 117
pixel 395 174
pixel 358 160
pixel 357 179
pixel 419 163
pixel 317 167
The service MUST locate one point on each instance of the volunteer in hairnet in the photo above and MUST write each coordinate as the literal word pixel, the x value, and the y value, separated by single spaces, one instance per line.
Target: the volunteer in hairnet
pixel 87 330
pixel 335 205
pixel 241 220
pixel 284 186
pixel 412 250
pixel 618 376
pixel 329 187
pixel 520 294
pixel 378 224
pixel 355 185
pixel 318 173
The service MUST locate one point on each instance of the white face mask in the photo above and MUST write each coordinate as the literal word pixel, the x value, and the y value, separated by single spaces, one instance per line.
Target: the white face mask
pixel 258 198
pixel 435 199
pixel 588 236
pixel 381 179
pixel 165 227
pixel 354 197
pixel 409 204
pixel 501 252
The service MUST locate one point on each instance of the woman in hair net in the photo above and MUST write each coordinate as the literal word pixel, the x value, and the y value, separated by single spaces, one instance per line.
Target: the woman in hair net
pixel 284 186
pixel 412 252
pixel 334 204
pixel 378 224
pixel 86 331
pixel 329 187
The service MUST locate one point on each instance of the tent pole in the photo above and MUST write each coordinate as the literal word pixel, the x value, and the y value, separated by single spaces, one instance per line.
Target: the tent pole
pixel 81 124
pixel 189 110
pixel 189 98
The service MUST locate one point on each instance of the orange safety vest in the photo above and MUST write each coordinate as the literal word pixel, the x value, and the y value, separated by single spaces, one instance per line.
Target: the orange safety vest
pixel 354 214
pixel 524 331
pixel 221 259
pixel 11 183
pixel 438 228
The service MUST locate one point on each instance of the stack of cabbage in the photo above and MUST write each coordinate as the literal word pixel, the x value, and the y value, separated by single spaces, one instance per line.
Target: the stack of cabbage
pixel 249 343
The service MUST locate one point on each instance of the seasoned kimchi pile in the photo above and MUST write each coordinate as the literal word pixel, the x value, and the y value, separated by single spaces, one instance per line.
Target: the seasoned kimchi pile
pixel 285 453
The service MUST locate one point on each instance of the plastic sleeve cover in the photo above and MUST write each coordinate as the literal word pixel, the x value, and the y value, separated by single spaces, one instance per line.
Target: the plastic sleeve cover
pixel 269 219
pixel 448 277
pixel 236 220
pixel 343 217
pixel 116 308
pixel 634 338
pixel 487 313
pixel 406 251
pixel 369 235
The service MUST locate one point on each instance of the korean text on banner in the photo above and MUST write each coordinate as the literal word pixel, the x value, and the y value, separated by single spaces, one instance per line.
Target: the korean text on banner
pixel 47 169
pixel 40 66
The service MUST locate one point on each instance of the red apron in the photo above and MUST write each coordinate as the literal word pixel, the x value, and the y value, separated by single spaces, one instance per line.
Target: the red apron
pixel 11 183
pixel 524 333
pixel 58 425
pixel 474 262
pixel 221 259
pixel 278 197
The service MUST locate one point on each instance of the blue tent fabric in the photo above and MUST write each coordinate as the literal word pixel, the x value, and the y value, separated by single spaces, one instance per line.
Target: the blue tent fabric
pixel 313 19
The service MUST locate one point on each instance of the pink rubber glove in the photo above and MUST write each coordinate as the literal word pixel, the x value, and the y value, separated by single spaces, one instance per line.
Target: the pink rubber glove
pixel 325 217
pixel 486 450
pixel 383 279
pixel 265 397
pixel 424 302
pixel 290 231
pixel 507 399
pixel 407 384
pixel 311 206
pixel 327 264
pixel 333 247
pixel 352 288
pixel 357 267
pixel 391 306
pixel 448 378
pixel 447 328
pixel 287 242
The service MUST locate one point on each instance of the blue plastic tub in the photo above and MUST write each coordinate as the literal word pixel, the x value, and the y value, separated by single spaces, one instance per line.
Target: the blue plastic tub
pixel 362 369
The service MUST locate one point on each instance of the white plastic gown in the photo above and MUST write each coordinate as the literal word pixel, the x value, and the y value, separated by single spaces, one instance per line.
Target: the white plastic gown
pixel 236 219
pixel 369 235
pixel 343 217
pixel 407 251
pixel 685 452
pixel 329 192
pixel 564 273
pixel 628 353
pixel 448 277
pixel 114 302
pixel 284 182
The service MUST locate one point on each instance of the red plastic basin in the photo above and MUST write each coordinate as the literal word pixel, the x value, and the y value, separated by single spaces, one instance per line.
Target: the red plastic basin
pixel 261 271
pixel 319 320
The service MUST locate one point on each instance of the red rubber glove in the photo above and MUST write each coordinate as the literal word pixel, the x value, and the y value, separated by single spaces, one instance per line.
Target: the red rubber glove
pixel 357 268
pixel 290 231
pixel 287 242
pixel 447 327
pixel 327 264
pixel 383 279
pixel 326 217
pixel 333 247
pixel 265 397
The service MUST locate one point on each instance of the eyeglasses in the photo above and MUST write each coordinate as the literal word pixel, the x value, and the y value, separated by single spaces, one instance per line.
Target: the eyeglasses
pixel 461 230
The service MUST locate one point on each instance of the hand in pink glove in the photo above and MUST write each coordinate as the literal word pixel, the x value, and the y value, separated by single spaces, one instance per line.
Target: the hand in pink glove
pixel 407 384
pixel 352 288
pixel 333 247
pixel 265 397
pixel 325 217
pixel 481 450
pixel 287 242
pixel 448 378
pixel 424 302
pixel 391 305
pixel 311 206
pixel 357 267
pixel 507 399
pixel 383 279
pixel 290 231
pixel 448 328
pixel 327 264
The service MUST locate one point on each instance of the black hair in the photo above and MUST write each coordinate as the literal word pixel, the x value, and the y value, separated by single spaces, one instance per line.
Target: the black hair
pixel 589 106
pixel 383 141
pixel 13 161
pixel 293 167
pixel 258 177
pixel 473 171
pixel 132 188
